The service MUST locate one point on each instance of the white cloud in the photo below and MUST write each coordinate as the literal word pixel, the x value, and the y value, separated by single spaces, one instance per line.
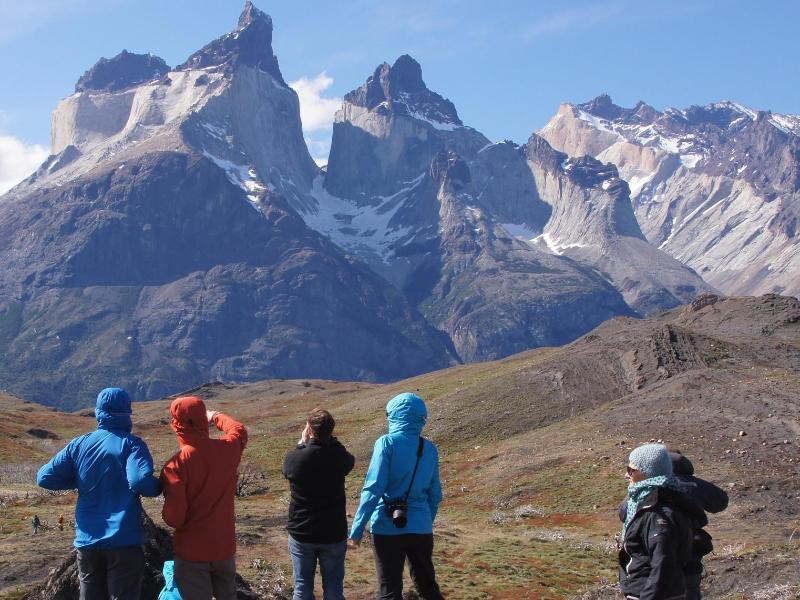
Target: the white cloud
pixel 18 160
pixel 317 112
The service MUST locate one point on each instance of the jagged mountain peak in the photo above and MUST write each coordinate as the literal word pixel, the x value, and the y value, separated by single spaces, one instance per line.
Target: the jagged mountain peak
pixel 601 106
pixel 589 172
pixel 400 89
pixel 251 15
pixel 250 44
pixel 405 75
pixel 124 70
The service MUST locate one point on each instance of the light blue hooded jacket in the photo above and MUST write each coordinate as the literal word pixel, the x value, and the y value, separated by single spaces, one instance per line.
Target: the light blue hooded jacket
pixel 110 467
pixel 390 471
pixel 170 591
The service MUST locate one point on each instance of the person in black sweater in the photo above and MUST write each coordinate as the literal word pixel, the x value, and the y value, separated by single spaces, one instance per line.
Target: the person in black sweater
pixel 317 525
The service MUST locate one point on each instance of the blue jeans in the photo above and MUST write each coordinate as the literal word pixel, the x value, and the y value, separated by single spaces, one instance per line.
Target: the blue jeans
pixel 331 567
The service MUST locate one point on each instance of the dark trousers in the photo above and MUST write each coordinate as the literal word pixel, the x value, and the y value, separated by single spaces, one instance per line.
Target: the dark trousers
pixel 391 552
pixel 114 574
pixel 693 586
pixel 198 580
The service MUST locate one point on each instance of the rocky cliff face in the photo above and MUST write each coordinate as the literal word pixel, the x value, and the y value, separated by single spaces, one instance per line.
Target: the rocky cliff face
pixel 593 223
pixel 174 235
pixel 390 128
pixel 159 248
pixel 228 102
pixel 421 198
pixel 494 294
pixel 160 274
pixel 717 186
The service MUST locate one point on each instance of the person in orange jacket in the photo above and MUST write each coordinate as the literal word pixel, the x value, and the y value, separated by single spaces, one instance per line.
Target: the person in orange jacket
pixel 199 484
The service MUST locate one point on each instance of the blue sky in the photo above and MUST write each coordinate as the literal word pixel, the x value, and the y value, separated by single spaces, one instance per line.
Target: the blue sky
pixel 505 64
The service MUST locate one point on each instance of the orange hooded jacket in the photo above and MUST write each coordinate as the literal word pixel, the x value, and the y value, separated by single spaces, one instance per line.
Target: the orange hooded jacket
pixel 199 482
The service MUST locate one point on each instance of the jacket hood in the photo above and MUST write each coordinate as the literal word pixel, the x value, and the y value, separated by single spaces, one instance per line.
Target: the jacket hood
pixel 113 410
pixel 406 413
pixel 189 419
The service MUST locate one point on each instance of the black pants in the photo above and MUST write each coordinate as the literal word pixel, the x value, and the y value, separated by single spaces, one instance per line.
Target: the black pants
pixel 391 552
pixel 693 586
pixel 111 574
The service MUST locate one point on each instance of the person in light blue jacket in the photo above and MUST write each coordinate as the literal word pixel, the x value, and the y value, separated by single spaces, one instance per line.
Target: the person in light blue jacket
pixel 110 468
pixel 404 466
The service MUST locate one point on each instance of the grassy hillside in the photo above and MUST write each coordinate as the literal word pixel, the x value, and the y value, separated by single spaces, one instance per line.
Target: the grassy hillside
pixel 533 452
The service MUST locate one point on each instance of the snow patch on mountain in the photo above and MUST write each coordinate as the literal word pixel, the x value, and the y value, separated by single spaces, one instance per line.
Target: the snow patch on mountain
pixel 359 229
pixel 520 231
pixel 554 245
pixel 243 176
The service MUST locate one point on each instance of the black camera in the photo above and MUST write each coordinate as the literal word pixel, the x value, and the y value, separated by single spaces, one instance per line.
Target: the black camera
pixel 397 510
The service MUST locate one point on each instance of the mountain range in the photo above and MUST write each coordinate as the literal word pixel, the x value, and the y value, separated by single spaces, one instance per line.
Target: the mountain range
pixel 715 186
pixel 180 232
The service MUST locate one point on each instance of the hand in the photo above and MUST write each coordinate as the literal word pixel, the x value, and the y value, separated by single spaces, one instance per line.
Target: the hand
pixel 351 543
pixel 306 435
pixel 210 414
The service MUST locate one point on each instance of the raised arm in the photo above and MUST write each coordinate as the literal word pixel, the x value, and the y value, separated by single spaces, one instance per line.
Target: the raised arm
pixel 60 472
pixel 375 484
pixel 231 428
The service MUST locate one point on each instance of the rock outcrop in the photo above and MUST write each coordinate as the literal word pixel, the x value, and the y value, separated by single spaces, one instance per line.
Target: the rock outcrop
pixel 160 274
pixel 125 70
pixel 716 186
pixel 593 223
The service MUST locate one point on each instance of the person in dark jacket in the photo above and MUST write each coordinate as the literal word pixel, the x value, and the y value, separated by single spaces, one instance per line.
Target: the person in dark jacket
pixel 111 468
pixel 657 530
pixel 712 499
pixel 317 526
pixel 397 470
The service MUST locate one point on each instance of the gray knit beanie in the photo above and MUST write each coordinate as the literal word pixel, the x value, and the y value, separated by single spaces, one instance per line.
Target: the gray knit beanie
pixel 651 459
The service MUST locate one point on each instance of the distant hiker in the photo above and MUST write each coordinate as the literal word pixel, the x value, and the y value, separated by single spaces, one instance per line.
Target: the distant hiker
pixel 61 522
pixel 35 524
pixel 111 468
pixel 317 526
pixel 199 484
pixel 400 498
pixel 713 500
pixel 657 530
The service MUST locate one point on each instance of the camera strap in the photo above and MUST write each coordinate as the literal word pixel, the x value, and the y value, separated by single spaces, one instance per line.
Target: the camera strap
pixel 414 474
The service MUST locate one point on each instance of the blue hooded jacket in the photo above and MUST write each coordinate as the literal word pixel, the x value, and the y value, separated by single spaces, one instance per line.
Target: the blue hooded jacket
pixel 390 471
pixel 110 468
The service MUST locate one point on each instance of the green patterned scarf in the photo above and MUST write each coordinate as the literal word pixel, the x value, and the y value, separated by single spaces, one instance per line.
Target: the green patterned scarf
pixel 637 492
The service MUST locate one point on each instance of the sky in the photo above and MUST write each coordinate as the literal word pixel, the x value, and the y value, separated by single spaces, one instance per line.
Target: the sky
pixel 506 64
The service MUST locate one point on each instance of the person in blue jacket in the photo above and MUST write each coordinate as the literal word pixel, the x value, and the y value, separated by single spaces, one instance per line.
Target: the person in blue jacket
pixel 398 470
pixel 110 468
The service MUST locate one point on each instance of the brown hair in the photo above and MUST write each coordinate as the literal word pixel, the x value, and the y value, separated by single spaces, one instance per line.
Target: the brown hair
pixel 321 423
